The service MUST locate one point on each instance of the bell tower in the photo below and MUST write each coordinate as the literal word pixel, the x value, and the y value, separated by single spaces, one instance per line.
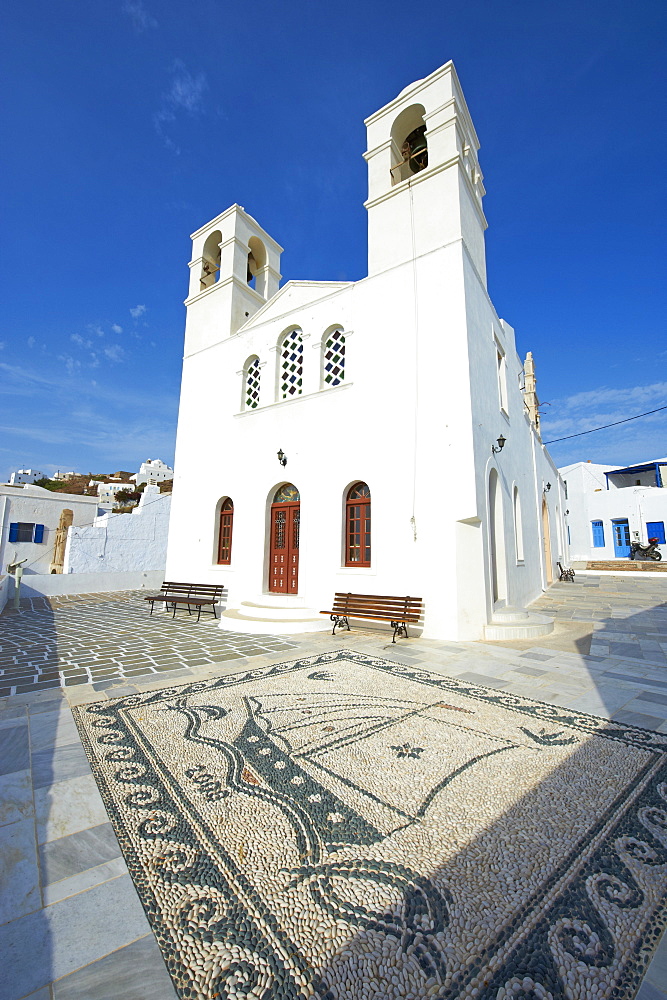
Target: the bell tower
pixel 234 271
pixel 424 181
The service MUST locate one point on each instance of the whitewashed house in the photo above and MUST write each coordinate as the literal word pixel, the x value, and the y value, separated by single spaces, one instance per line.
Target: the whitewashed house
pixel 34 525
pixel 122 543
pixel 153 471
pixel 25 476
pixel 609 507
pixel 360 425
pixel 107 493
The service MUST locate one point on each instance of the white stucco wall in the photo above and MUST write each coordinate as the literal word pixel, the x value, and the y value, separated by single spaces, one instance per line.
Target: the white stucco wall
pixel 35 505
pixel 415 417
pixel 589 500
pixel 118 543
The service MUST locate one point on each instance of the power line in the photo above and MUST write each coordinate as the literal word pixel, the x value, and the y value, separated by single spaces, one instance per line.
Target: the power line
pixel 604 426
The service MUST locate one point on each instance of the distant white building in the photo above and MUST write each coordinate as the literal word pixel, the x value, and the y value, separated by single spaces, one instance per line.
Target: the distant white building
pixel 107 493
pixel 31 519
pixel 153 471
pixel 608 508
pixel 121 543
pixel 25 476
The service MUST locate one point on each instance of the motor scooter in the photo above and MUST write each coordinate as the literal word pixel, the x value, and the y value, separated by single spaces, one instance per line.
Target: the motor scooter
pixel 649 551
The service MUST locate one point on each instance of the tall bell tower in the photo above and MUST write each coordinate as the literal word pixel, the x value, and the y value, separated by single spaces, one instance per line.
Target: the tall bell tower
pixel 424 181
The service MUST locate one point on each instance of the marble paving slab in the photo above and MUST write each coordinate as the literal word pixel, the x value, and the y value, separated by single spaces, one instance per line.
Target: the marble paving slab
pixel 345 825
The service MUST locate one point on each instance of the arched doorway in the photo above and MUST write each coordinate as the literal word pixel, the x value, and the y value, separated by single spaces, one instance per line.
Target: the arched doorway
pixel 284 550
pixel 546 541
pixel 497 540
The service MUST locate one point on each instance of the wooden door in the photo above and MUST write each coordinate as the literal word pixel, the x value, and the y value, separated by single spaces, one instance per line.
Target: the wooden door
pixel 284 554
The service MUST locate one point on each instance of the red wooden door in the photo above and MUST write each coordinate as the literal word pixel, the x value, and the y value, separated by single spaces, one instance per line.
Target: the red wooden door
pixel 284 555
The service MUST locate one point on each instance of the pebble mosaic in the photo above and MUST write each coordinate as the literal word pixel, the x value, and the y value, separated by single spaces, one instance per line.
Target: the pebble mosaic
pixel 345 826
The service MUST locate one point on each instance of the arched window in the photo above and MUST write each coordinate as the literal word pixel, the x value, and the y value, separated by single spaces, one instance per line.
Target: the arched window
pixel 225 532
pixel 333 358
pixel 291 365
pixel 210 265
pixel 358 526
pixel 409 144
pixel 251 384
pixel 518 526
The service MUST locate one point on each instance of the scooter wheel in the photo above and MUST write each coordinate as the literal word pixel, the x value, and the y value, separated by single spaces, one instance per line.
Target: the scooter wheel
pixel 657 556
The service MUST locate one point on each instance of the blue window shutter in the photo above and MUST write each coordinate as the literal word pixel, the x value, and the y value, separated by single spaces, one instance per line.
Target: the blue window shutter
pixel 656 529
pixel 39 533
pixel 598 534
pixel 13 532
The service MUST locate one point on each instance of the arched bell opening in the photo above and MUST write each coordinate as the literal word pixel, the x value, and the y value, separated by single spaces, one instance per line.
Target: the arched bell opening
pixel 409 144
pixel 210 265
pixel 256 271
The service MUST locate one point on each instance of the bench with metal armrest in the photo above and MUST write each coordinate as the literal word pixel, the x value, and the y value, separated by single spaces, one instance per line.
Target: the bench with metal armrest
pixel 194 595
pixel 398 611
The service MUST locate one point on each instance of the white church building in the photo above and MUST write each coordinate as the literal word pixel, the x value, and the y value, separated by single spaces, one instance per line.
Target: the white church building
pixel 378 436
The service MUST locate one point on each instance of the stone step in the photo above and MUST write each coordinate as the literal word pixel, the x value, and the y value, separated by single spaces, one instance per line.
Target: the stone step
pixel 519 624
pixel 249 609
pixel 270 621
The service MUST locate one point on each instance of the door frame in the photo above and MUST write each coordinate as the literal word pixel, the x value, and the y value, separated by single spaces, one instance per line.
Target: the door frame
pixel 620 553
pixel 290 510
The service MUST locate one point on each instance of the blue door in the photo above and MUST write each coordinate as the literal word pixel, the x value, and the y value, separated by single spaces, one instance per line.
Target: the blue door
pixel 621 530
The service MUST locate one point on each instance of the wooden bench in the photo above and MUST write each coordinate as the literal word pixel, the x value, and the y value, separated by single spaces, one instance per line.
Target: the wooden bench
pixel 195 595
pixel 396 610
pixel 566 574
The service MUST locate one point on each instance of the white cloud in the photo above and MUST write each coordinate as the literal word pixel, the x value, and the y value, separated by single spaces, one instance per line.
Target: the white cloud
pixel 114 352
pixel 116 328
pixel 71 364
pixel 630 441
pixel 141 18
pixel 31 342
pixel 137 311
pixel 80 341
pixel 186 94
pixel 96 329
pixel 186 90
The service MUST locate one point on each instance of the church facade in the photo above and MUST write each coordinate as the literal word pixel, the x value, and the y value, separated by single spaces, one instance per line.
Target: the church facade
pixel 378 436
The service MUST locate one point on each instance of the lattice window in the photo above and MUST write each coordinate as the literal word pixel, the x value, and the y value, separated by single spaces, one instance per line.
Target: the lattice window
pixel 252 384
pixel 291 365
pixel 333 359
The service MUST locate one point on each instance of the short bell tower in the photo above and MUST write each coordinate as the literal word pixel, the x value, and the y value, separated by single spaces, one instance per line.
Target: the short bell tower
pixel 425 185
pixel 234 271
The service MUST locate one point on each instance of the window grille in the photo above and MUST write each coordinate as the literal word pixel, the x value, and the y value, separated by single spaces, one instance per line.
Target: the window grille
pixel 252 385
pixel 334 358
pixel 291 366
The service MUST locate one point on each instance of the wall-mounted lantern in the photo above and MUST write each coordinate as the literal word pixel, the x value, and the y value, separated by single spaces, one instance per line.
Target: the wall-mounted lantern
pixel 282 458
pixel 501 445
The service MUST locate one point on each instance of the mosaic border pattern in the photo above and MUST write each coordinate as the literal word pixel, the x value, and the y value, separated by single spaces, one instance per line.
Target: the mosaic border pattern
pixel 596 921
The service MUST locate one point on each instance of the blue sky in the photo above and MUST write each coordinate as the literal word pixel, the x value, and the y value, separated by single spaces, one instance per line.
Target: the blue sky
pixel 127 124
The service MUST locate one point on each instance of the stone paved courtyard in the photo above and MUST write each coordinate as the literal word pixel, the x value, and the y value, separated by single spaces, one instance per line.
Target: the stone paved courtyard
pixel 106 637
pixel 71 924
